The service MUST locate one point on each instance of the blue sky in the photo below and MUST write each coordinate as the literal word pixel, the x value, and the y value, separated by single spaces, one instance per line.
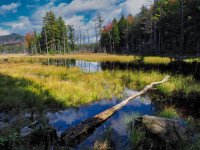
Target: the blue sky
pixel 22 16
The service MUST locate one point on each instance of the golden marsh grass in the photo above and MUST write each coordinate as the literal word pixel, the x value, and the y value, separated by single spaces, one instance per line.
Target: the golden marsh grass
pixel 27 83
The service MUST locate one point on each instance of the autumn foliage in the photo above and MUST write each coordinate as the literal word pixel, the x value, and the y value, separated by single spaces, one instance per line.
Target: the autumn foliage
pixel 29 39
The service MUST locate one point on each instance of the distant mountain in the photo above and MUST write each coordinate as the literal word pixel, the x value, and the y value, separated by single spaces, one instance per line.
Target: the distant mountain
pixel 12 39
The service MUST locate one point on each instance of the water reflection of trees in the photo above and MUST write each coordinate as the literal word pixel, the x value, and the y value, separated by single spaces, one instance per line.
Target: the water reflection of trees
pixel 61 62
pixel 175 67
pixel 86 66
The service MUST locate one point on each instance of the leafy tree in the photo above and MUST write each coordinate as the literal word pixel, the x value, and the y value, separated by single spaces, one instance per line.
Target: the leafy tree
pixel 29 41
pixel 106 38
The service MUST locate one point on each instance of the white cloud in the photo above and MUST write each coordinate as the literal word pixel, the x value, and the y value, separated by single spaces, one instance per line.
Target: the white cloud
pixel 22 25
pixel 133 6
pixel 4 32
pixel 73 13
pixel 12 7
pixel 108 9
pixel 74 20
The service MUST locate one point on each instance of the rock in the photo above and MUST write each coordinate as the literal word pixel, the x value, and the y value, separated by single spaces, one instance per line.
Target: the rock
pixel 168 131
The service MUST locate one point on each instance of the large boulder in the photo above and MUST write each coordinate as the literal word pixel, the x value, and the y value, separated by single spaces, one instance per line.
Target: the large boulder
pixel 172 133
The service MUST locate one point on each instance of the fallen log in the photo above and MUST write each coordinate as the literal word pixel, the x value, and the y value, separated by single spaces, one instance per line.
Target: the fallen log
pixel 78 133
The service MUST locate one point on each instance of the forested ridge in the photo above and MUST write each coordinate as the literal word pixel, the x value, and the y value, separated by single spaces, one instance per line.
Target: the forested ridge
pixel 168 26
pixel 13 43
pixel 165 27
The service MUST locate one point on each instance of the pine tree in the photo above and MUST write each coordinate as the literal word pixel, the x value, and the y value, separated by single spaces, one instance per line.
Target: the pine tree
pixel 71 37
pixel 61 35
pixel 50 31
pixel 115 36
pixel 123 24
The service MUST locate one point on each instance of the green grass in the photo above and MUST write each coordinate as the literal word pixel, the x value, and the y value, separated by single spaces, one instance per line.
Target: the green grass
pixel 169 112
pixel 136 136
pixel 81 56
pixel 26 85
pixel 129 120
pixel 192 60
pixel 31 87
pixel 99 57
pixel 156 60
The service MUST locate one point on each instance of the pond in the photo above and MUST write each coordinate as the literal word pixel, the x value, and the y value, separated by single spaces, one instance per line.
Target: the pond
pixel 117 124
pixel 174 67
pixel 85 66
pixel 144 105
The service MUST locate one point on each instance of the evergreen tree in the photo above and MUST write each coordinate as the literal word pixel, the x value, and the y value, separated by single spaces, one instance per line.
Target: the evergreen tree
pixel 115 36
pixel 71 37
pixel 61 35
pixel 50 31
pixel 123 32
pixel 36 43
pixel 54 34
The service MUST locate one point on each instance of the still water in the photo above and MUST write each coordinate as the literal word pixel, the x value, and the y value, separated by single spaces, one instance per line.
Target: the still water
pixel 64 119
pixel 174 67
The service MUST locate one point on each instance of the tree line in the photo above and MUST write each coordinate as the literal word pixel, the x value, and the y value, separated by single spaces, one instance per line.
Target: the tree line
pixel 167 27
pixel 10 49
pixel 55 37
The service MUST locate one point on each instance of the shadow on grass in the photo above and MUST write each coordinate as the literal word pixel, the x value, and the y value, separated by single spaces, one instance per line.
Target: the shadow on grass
pixel 19 94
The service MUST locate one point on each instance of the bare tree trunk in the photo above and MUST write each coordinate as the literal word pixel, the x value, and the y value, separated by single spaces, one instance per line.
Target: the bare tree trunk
pixel 88 38
pixel 95 21
pixel 40 48
pixel 46 40
pixel 182 27
pixel 64 43
pixel 110 42
pixel 80 37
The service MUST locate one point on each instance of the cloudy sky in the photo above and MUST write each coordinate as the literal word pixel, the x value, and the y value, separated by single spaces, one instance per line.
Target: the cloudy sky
pixel 22 16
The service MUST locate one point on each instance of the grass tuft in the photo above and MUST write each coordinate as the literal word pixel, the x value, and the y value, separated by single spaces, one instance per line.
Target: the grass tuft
pixel 169 112
pixel 136 136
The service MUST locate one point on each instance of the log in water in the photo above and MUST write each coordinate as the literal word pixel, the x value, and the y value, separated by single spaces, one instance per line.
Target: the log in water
pixel 80 132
